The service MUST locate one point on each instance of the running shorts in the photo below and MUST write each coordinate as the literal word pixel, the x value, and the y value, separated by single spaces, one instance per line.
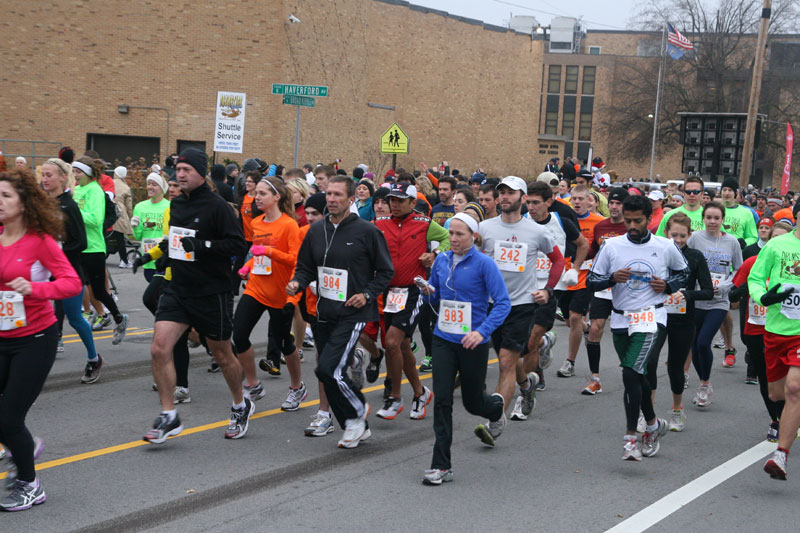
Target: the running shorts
pixel 210 315
pixel 780 352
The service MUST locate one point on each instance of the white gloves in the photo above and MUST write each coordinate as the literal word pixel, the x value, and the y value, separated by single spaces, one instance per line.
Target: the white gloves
pixel 570 277
pixel 135 221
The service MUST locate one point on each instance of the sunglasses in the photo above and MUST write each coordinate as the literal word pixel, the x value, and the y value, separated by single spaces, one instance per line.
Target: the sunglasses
pixel 694 193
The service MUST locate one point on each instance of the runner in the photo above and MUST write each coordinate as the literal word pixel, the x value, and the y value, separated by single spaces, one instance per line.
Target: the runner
pixel 369 337
pixel 514 243
pixel 680 306
pixel 641 269
pixel 349 260
pixel 276 240
pixel 147 221
pixel 777 264
pixel 462 282
pixel 724 257
pixel 92 202
pixel 693 208
pixel 407 236
pixel 203 237
pixel 574 302
pixel 487 196
pixel 55 176
pixel 252 177
pixel 29 257
pixel 445 208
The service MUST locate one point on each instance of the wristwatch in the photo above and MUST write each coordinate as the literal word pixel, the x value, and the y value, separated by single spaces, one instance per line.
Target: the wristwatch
pixel 549 291
pixel 208 244
pixel 367 297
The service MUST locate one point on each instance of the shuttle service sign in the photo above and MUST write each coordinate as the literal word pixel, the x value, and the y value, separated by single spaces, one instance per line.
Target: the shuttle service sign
pixel 229 122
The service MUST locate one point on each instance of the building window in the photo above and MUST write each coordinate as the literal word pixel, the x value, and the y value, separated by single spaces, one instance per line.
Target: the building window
pixel 585 128
pixel 551 123
pixel 568 125
pixel 589 74
pixel 594 50
pixel 554 79
pixel 571 82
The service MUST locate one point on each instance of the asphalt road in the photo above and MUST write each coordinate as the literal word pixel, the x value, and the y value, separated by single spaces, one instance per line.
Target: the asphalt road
pixel 558 471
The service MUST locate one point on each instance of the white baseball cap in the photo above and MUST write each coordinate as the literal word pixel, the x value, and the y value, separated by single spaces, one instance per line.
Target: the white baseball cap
pixel 656 195
pixel 515 183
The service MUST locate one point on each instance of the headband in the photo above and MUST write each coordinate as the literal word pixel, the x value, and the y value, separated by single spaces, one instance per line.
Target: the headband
pixel 776 200
pixel 271 186
pixel 468 220
pixel 84 167
pixel 766 222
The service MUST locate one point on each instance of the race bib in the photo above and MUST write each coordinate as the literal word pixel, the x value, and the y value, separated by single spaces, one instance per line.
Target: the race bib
pixel 455 317
pixel 262 265
pixel 586 265
pixel 332 284
pixel 716 279
pixel 510 256
pixel 642 321
pixel 396 300
pixel 790 307
pixel 543 266
pixel 675 304
pixel 605 294
pixel 757 314
pixel 12 311
pixel 176 250
pixel 149 244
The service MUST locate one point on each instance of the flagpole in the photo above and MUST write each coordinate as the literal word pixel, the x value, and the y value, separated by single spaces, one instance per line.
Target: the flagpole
pixel 658 100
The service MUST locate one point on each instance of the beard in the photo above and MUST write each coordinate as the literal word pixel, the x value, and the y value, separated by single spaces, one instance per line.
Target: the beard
pixel 513 208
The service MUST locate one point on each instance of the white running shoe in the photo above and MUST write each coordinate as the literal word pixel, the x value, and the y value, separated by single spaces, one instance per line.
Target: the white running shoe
pixel 631 450
pixel 545 352
pixel 677 420
pixel 641 425
pixel 419 403
pixel 516 412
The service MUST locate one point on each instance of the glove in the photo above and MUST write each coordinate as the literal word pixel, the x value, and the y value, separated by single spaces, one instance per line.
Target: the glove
pixel 135 221
pixel 724 289
pixel 139 261
pixel 162 263
pixel 773 296
pixel 244 272
pixel 570 277
pixel 164 245
pixel 313 287
pixel 191 244
pixel 257 249
pixel 738 293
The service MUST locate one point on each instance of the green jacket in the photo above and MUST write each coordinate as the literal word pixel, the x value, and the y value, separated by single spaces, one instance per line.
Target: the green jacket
pixel 92 203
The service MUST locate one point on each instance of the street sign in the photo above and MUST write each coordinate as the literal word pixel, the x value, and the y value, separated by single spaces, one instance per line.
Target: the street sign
pixel 305 101
pixel 299 90
pixel 394 140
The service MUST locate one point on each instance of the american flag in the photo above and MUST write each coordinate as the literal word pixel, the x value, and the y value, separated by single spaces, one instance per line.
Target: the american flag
pixel 676 38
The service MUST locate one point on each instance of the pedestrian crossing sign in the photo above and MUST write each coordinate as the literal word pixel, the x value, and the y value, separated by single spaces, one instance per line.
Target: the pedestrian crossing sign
pixel 394 140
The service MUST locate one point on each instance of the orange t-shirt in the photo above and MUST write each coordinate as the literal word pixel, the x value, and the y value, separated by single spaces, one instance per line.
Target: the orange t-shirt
pixel 282 239
pixel 247 217
pixel 587 230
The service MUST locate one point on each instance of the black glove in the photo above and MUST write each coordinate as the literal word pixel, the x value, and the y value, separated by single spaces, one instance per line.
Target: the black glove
pixel 141 260
pixel 773 296
pixel 164 245
pixel 738 293
pixel 162 263
pixel 191 244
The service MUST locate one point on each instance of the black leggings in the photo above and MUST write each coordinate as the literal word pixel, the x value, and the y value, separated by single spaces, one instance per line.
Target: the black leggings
pixel 25 363
pixel 180 353
pixel 681 338
pixel 249 312
pixel 94 265
pixel 755 345
pixel 425 325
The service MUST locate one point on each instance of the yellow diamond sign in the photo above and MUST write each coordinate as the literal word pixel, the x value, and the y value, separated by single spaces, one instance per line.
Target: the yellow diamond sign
pixel 394 141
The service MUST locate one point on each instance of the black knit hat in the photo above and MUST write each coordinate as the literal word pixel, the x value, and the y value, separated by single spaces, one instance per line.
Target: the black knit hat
pixel 731 183
pixel 196 159
pixel 316 201
pixel 218 172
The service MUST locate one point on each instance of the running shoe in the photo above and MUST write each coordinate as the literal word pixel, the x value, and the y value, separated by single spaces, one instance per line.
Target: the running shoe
pixel 308 340
pixel 90 316
pixel 124 264
pixel 685 380
pixel 119 331
pixel 677 420
pixel 23 496
pixel 541 385
pixel 294 398
pixel 91 372
pixel 374 367
pixel 776 466
pixel 414 347
pixel 545 352
pixel 489 432
pixel 630 449
pixel 567 370
pixel 320 426
pixel 181 395
pixel 529 396
pixel 427 364
pixel 355 430
pixel 641 424
pixel 701 397
pixel 419 403
pixel 751 380
pixel 593 387
pixel 100 322
pixel 730 358
pixel 357 370
pixel 254 392
pixel 772 432
pixel 11 475
pixel 516 412
pixel 437 477
pixel 60 347
pixel 391 408
pixel 269 367
pixel 213 367
pixel 559 315
pixel 387 388
pixel 719 342
pixel 240 420
pixel 651 440
pixel 163 428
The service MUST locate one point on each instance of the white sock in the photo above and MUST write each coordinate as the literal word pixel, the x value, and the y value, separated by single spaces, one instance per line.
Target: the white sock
pixel 326 414
pixel 239 406
pixel 171 414
pixel 652 428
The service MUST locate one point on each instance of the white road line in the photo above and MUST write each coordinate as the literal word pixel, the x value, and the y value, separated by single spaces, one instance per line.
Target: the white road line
pixel 673 501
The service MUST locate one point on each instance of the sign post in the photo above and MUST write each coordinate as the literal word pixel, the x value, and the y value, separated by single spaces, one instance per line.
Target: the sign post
pixel 394 141
pixel 299 96
pixel 229 122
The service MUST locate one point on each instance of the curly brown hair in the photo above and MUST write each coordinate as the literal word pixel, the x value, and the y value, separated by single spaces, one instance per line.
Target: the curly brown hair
pixel 41 213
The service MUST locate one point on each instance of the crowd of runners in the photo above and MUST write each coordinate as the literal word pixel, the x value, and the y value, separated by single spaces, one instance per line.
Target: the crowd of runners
pixel 353 264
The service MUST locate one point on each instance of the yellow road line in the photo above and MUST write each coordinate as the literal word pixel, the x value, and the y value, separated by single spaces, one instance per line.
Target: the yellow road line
pixel 190 431
pixel 101 332
pixel 108 336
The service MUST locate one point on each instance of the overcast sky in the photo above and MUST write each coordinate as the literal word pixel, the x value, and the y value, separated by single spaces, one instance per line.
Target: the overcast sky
pixel 595 14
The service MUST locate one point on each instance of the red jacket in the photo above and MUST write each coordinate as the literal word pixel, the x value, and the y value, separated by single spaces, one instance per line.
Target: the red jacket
pixel 407 239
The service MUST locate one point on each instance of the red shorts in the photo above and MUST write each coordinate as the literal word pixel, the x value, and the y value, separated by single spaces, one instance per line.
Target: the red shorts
pixel 371 330
pixel 780 352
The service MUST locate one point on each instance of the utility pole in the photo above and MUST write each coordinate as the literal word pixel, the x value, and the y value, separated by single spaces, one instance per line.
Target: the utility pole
pixel 755 94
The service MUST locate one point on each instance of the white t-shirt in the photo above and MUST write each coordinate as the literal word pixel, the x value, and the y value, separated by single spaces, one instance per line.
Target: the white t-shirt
pixel 543 266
